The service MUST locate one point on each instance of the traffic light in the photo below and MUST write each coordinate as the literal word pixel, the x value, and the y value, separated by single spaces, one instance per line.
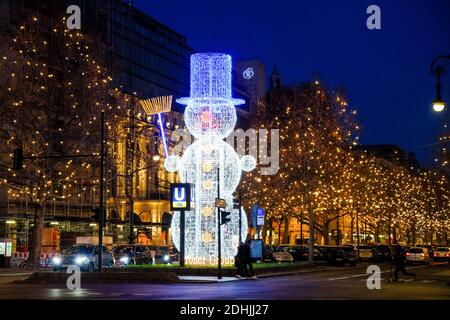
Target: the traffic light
pixel 166 221
pixel 18 159
pixel 96 216
pixel 225 217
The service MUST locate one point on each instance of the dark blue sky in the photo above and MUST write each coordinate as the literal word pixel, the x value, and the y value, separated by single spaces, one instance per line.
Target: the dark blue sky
pixel 385 71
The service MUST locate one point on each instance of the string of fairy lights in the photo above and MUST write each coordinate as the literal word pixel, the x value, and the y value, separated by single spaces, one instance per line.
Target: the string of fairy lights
pixel 210 163
pixel 318 132
pixel 320 166
pixel 54 88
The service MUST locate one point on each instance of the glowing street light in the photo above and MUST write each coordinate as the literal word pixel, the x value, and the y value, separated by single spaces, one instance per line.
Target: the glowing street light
pixel 437 69
pixel 438 103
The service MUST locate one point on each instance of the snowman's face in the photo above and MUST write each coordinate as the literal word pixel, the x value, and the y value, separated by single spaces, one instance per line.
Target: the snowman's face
pixel 208 121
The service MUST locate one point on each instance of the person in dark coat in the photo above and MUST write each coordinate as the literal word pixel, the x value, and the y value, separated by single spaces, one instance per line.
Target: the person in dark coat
pixel 400 262
pixel 239 261
pixel 247 261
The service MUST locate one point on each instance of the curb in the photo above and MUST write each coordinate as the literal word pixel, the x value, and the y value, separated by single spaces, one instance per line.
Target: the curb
pixel 289 273
pixel 260 276
pixel 121 277
pixel 140 277
pixel 15 274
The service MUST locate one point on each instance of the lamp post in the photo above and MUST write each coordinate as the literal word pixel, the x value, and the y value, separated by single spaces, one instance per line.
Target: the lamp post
pixel 437 69
pixel 102 191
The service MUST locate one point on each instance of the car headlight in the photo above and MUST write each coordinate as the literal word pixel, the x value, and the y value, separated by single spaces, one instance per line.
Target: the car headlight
pixel 166 258
pixel 124 260
pixel 56 260
pixel 81 260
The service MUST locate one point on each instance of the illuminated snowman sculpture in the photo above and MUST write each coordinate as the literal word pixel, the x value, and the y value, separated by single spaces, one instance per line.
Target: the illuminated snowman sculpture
pixel 210 116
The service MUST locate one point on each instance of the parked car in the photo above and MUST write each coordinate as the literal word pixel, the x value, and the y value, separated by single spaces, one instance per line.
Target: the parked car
pixel 337 255
pixel 164 254
pixel 416 254
pixel 301 253
pixel 267 254
pixel 351 255
pixel 442 253
pixel 83 255
pixel 381 253
pixel 132 254
pixel 430 249
pixel 365 253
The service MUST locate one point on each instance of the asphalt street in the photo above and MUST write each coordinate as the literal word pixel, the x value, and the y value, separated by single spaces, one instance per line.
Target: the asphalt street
pixel 336 283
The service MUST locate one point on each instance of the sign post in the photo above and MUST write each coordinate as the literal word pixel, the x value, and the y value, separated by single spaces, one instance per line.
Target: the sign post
pixel 258 218
pixel 180 200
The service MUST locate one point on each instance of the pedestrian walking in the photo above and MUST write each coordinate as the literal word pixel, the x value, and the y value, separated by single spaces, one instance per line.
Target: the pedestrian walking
pixel 238 261
pixel 247 261
pixel 400 263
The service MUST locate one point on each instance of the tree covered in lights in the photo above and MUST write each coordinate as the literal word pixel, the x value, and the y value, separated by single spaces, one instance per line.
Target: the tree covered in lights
pixel 443 153
pixel 317 132
pixel 323 177
pixel 53 86
pixel 434 205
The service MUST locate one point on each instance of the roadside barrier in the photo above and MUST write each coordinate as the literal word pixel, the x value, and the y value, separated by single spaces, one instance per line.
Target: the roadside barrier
pixel 20 258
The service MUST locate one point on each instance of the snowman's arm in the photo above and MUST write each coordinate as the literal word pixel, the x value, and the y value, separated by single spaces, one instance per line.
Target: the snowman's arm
pixel 248 163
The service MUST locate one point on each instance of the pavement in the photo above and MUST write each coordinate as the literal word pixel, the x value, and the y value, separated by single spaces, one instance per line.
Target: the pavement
pixel 181 275
pixel 205 279
pixel 336 283
pixel 12 275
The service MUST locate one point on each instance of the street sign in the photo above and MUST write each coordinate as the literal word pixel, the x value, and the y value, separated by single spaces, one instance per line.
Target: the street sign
pixel 220 203
pixel 256 249
pixel 257 216
pixel 260 217
pixel 180 196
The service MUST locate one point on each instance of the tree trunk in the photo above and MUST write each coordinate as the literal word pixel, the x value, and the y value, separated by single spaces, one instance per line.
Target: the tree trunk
pixel 351 228
pixel 264 230
pixel 377 233
pixel 279 231
pixel 270 231
pixel 312 222
pixel 286 230
pixel 35 250
pixel 301 230
pixel 326 232
pixel 338 231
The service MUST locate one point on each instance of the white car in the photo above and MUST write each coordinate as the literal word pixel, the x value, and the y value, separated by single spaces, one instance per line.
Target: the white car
pixel 417 255
pixel 442 253
pixel 365 253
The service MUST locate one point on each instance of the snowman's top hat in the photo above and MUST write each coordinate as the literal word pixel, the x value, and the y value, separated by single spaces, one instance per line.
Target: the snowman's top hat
pixel 210 80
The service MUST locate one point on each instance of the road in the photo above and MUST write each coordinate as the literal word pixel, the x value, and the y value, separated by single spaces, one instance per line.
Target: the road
pixel 337 283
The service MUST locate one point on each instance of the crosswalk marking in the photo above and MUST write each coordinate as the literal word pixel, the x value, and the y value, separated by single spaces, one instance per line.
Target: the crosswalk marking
pixel 366 274
pixel 408 280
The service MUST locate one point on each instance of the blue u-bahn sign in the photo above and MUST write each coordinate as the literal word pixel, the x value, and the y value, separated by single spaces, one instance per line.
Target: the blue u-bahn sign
pixel 181 195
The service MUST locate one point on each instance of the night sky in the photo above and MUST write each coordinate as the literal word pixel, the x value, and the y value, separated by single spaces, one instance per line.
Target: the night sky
pixel 386 72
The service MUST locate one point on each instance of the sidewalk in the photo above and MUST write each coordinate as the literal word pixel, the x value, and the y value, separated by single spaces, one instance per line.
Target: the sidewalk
pixel 9 275
pixel 205 279
pixel 213 279
pixel 8 272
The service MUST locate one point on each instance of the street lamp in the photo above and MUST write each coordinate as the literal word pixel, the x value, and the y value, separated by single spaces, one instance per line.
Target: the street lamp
pixel 437 69
pixel 438 103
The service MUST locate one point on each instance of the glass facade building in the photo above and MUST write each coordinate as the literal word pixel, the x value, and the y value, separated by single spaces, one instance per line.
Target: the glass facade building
pixel 152 59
